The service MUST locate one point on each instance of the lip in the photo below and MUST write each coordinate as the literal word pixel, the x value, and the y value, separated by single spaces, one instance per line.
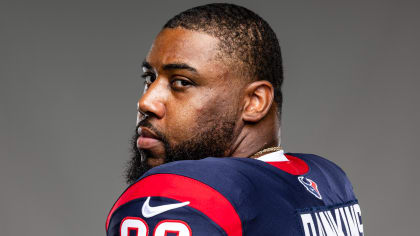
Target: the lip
pixel 147 139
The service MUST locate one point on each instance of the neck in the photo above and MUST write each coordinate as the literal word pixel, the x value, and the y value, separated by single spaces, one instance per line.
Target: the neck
pixel 255 137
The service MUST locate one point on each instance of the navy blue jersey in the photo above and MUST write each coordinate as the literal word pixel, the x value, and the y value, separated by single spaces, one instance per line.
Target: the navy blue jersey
pixel 302 195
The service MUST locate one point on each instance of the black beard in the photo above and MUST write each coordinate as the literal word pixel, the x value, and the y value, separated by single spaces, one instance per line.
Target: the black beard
pixel 210 142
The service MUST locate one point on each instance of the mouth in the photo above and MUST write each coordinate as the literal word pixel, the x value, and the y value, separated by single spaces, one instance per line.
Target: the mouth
pixel 147 138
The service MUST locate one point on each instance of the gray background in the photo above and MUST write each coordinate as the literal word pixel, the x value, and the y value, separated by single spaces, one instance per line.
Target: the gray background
pixel 70 82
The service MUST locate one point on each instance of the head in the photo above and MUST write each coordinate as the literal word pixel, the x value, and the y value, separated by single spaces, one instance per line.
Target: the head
pixel 212 88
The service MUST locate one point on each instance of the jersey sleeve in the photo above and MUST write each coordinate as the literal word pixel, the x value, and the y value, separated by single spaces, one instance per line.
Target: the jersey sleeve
pixel 165 204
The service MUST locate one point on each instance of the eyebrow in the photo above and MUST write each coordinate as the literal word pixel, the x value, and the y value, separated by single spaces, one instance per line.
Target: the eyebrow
pixel 172 66
pixel 179 66
pixel 147 65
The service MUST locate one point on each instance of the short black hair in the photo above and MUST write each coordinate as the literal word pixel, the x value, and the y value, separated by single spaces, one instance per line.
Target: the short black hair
pixel 244 36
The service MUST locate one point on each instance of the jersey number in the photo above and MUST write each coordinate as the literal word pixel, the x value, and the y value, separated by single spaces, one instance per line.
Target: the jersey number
pixel 163 228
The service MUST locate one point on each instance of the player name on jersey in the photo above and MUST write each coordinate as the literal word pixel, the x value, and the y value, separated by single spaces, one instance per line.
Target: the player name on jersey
pixel 340 221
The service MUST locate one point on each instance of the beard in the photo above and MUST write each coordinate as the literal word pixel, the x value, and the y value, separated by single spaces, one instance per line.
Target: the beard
pixel 210 140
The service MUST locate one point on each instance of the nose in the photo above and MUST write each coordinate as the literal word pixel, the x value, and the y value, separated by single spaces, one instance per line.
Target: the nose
pixel 153 100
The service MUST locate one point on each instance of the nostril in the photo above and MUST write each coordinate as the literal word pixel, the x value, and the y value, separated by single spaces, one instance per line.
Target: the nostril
pixel 143 114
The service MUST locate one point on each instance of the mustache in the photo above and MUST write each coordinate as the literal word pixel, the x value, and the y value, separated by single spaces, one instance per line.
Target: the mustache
pixel 146 123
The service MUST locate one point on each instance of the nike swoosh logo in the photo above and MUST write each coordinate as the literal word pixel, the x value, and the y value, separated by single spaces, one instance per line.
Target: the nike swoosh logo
pixel 149 211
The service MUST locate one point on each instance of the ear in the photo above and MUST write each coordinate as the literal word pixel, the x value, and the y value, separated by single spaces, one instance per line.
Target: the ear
pixel 259 96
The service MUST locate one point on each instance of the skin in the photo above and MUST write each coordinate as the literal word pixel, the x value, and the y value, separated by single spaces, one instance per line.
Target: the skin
pixel 179 100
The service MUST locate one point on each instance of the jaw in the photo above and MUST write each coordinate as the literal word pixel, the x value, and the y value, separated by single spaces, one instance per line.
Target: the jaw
pixel 254 137
pixel 153 162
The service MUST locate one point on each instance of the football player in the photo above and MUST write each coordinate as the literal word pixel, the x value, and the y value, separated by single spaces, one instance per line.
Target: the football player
pixel 207 159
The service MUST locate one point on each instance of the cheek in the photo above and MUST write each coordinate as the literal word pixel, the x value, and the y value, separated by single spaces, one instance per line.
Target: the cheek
pixel 183 120
pixel 186 117
pixel 180 122
pixel 223 105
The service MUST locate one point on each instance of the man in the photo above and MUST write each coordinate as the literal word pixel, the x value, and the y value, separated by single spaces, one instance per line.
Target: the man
pixel 213 89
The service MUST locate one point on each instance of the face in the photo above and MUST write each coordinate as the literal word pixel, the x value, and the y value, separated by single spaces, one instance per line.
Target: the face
pixel 191 103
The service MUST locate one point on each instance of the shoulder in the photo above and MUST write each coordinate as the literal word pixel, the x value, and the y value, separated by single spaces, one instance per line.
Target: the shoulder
pixel 213 170
pixel 319 161
pixel 229 178
pixel 203 184
pixel 331 179
pixel 339 206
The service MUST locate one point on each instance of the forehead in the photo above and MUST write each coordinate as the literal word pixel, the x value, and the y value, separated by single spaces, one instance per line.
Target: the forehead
pixel 183 46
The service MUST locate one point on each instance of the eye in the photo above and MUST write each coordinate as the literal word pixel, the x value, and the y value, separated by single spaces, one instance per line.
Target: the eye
pixel 179 84
pixel 149 78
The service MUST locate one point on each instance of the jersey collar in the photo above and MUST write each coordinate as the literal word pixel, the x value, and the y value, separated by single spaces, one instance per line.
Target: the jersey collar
pixel 277 156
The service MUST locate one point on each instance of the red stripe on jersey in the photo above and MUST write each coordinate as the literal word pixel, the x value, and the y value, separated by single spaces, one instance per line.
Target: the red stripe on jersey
pixel 294 166
pixel 201 197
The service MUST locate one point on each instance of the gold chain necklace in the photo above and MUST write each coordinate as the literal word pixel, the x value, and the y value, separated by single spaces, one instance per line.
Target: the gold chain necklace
pixel 270 149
